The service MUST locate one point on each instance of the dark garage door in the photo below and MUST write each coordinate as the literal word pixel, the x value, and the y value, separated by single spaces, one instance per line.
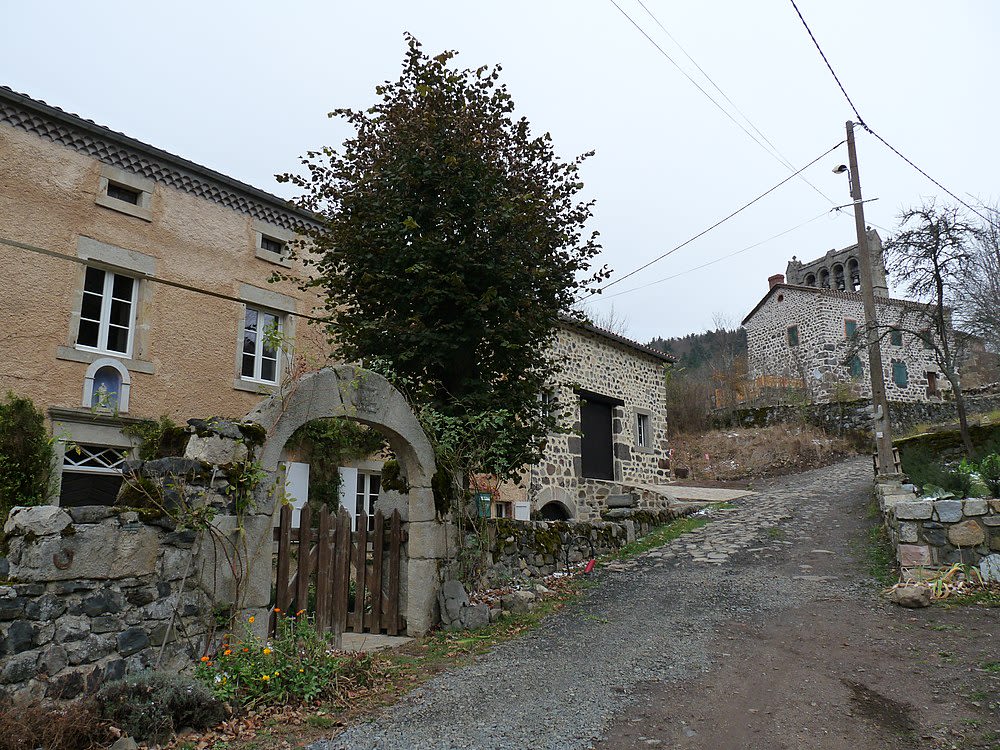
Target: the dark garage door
pixel 597 451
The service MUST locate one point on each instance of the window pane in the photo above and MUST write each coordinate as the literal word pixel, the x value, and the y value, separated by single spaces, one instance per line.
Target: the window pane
pixel 375 483
pixel 120 313
pixel 247 369
pixel 361 484
pixel 249 342
pixel 271 245
pixel 88 333
pixel 117 339
pixel 94 281
pixel 91 307
pixel 123 286
pixel 122 193
pixel 268 370
pixel 250 322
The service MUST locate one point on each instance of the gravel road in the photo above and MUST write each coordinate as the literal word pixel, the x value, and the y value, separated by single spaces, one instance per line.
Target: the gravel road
pixel 647 657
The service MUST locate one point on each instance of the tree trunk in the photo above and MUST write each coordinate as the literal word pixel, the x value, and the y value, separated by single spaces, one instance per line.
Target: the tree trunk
pixel 963 420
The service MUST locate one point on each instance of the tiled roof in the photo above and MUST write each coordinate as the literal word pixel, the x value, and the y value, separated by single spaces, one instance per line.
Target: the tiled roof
pixel 836 293
pixel 641 348
pixel 120 150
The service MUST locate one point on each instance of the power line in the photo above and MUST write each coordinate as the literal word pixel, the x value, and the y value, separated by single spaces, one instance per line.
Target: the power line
pixel 716 224
pixel 862 123
pixel 697 85
pixel 819 49
pixel 719 260
pixel 151 279
pixel 777 153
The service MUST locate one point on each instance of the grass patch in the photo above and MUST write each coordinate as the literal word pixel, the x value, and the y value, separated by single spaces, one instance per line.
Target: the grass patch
pixel 876 548
pixel 658 537
pixel 992 666
pixel 879 558
pixel 976 598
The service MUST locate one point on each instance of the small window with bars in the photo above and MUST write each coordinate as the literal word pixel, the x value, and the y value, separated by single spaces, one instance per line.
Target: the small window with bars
pixel 126 194
pixel 272 245
pixel 91 474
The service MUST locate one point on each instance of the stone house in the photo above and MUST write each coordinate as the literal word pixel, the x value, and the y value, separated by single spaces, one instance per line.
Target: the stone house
pixel 136 285
pixel 807 334
pixel 613 394
pixel 139 287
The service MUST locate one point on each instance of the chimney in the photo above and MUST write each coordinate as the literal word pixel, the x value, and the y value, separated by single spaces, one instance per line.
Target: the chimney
pixel 773 281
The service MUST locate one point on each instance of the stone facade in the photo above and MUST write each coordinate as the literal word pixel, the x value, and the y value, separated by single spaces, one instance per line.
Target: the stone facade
pixel 191 240
pixel 928 533
pixel 598 362
pixel 798 337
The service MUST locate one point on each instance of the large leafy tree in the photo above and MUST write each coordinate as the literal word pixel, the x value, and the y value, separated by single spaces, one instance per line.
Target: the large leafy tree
pixel 451 240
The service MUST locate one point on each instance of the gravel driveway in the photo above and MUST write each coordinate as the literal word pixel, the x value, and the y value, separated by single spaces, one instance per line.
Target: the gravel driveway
pixel 667 649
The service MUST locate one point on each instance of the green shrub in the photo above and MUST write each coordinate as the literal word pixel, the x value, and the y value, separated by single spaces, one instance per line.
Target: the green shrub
pixel 158 439
pixel 989 470
pixel 298 665
pixel 25 454
pixel 151 706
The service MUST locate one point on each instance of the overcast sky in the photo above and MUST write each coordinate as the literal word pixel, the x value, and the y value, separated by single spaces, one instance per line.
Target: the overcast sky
pixel 244 88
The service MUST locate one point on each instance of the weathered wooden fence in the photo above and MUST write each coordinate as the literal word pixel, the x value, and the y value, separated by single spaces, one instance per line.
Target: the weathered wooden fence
pixel 331 560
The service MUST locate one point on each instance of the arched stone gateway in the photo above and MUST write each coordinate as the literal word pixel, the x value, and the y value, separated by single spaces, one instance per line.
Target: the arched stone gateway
pixel 370 399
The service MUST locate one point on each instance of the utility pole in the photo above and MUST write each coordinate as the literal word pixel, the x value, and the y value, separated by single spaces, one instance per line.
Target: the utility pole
pixel 880 406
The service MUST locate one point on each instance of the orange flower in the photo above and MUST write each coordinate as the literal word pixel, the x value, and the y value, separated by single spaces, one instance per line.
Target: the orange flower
pixel 227 652
pixel 299 612
pixel 267 651
pixel 277 610
pixel 251 619
pixel 204 658
pixel 245 650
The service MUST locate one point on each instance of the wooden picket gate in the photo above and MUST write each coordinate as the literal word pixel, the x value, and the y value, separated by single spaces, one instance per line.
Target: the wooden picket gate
pixel 328 559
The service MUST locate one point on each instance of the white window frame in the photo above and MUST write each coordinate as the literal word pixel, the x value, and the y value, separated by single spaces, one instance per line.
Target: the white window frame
pixel 104 323
pixel 84 452
pixel 642 430
pixel 259 346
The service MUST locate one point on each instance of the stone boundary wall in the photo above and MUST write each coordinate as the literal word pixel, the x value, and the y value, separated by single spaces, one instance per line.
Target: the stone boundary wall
pixel 91 593
pixel 98 593
pixel 534 549
pixel 852 416
pixel 930 533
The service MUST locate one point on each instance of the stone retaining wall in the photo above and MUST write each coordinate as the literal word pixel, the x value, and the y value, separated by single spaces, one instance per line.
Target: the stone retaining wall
pixel 534 549
pixel 92 593
pixel 930 533
pixel 98 593
pixel 853 416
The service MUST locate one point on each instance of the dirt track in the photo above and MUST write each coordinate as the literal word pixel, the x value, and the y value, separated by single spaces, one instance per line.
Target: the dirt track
pixel 761 630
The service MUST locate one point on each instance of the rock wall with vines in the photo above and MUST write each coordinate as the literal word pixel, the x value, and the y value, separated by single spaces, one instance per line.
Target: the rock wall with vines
pixel 95 592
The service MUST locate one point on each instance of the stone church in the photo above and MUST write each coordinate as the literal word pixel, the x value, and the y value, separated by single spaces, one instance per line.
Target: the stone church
pixel 806 334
